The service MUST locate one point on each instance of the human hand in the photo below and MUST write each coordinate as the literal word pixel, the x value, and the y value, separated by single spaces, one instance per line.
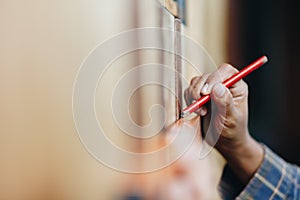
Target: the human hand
pixel 228 120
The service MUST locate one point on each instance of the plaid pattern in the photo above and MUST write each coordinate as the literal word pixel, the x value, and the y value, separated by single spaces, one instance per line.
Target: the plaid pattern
pixel 275 179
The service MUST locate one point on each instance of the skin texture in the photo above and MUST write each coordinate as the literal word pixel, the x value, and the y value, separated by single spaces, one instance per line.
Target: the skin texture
pixel 229 120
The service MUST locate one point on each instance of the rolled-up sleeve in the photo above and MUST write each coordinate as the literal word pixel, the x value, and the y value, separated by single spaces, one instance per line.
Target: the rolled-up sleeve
pixel 275 179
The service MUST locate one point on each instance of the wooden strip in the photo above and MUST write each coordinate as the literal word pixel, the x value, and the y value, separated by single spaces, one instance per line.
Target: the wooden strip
pixel 178 66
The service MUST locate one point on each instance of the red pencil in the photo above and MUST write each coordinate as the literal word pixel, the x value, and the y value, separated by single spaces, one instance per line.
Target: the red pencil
pixel 228 83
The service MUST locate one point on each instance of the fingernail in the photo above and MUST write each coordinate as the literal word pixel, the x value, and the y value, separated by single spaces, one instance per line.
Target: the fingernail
pixel 219 90
pixel 202 112
pixel 204 89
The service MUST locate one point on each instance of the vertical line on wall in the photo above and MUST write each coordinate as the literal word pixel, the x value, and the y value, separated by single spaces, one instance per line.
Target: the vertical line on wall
pixel 178 66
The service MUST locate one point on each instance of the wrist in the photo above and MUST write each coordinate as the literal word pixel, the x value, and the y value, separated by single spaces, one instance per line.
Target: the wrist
pixel 244 157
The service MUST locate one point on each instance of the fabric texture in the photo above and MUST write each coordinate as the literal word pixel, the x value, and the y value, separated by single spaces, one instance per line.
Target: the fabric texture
pixel 275 179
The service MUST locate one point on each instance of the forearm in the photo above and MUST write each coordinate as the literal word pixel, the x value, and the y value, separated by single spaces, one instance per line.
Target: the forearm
pixel 243 157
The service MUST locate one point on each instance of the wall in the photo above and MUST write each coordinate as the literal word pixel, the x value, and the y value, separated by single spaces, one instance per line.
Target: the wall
pixel 43 44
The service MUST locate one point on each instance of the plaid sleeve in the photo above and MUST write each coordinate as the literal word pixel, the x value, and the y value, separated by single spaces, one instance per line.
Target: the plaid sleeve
pixel 275 179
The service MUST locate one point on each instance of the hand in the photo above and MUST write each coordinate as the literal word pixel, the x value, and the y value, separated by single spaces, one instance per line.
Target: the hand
pixel 229 120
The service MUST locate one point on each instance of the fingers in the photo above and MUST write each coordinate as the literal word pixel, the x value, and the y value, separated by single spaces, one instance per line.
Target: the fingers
pixel 193 92
pixel 221 96
pixel 224 72
pixel 196 86
pixel 240 89
pixel 223 99
pixel 203 85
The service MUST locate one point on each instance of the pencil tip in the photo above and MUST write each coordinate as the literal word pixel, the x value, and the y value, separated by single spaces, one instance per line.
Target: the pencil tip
pixel 184 114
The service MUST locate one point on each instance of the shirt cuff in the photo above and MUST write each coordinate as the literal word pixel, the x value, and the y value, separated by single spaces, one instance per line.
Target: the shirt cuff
pixel 273 179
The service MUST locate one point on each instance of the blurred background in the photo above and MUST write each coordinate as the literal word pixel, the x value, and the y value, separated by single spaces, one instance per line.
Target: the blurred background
pixel 43 44
pixel 271 28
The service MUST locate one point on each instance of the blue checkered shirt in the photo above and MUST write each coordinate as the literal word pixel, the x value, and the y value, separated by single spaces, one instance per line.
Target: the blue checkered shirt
pixel 275 179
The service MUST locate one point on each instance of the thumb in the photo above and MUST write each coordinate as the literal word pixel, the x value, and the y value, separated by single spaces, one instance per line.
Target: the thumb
pixel 222 99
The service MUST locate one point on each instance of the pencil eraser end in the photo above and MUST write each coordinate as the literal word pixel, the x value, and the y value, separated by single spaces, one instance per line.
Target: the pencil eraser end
pixel 265 59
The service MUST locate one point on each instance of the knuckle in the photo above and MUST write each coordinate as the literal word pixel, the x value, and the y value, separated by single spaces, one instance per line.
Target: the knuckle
pixel 228 68
pixel 213 78
pixel 244 88
pixel 205 76
pixel 194 80
pixel 195 95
